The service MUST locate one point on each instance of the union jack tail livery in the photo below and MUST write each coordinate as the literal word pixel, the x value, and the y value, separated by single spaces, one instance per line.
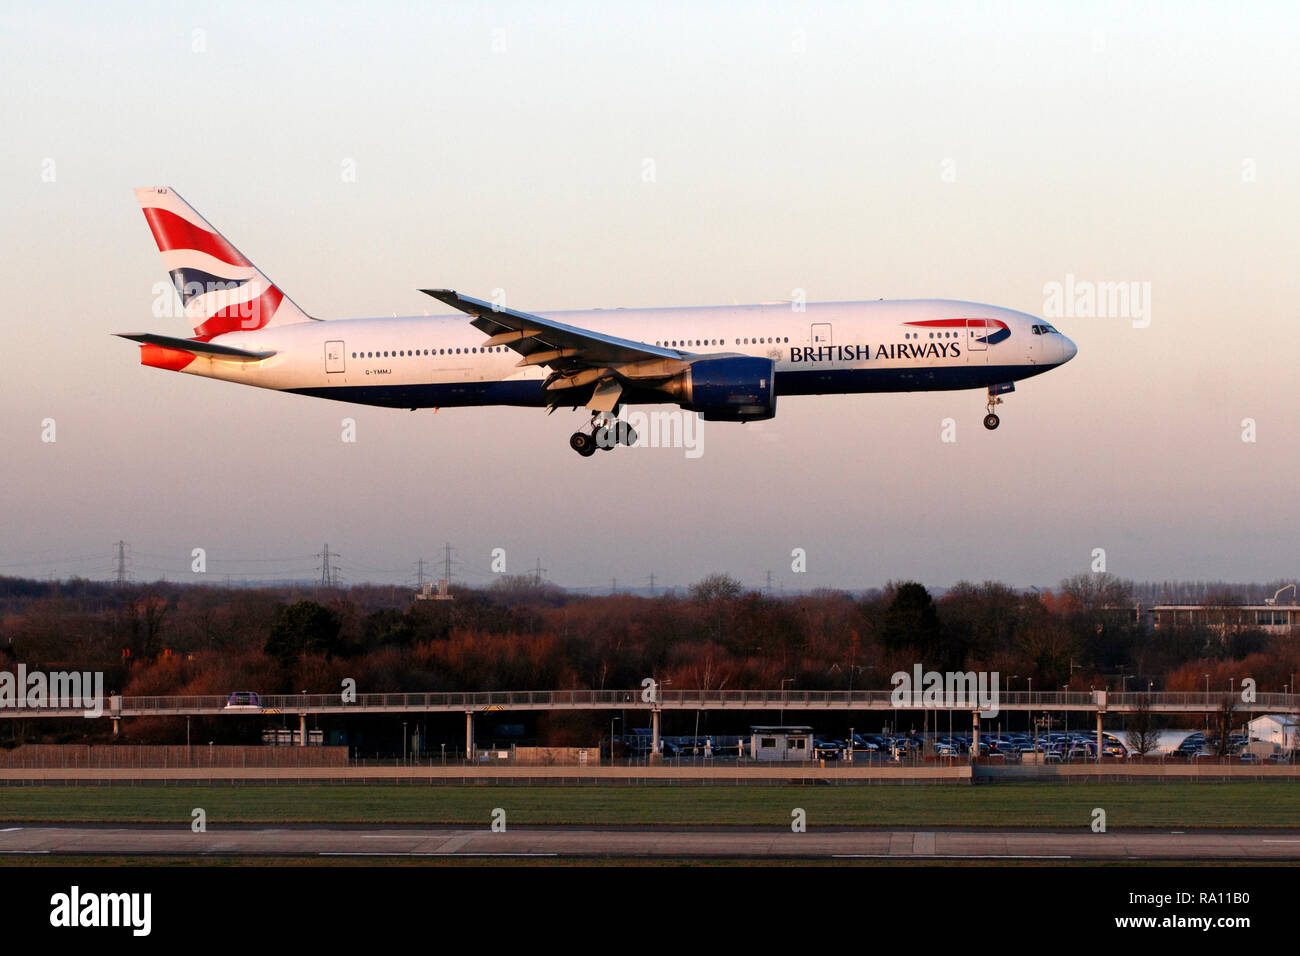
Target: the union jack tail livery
pixel 221 290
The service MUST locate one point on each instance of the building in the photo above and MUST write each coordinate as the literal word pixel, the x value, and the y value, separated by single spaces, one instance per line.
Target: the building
pixel 427 593
pixel 284 737
pixel 1224 618
pixel 1280 729
pixel 780 743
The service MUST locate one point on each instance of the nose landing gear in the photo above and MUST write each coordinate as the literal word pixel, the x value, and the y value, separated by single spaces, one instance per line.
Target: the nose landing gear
pixel 991 420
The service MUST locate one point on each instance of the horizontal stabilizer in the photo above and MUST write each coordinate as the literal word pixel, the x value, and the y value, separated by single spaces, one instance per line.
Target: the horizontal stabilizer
pixel 207 349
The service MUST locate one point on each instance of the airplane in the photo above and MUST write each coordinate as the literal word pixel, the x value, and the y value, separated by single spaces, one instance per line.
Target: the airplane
pixel 726 363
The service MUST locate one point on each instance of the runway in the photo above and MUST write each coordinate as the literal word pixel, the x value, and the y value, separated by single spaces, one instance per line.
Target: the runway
pixel 377 842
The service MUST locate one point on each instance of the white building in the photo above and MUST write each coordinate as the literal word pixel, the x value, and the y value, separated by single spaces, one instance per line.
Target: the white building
pixel 780 743
pixel 1279 729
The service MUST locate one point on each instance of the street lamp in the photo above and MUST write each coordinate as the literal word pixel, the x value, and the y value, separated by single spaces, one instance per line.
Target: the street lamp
pixel 1009 680
pixel 1207 704
pixel 611 737
pixel 658 741
pixel 1031 692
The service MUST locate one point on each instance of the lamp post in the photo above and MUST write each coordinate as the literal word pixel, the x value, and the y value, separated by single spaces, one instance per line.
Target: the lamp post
pixel 659 686
pixel 1207 704
pixel 1009 690
pixel 611 737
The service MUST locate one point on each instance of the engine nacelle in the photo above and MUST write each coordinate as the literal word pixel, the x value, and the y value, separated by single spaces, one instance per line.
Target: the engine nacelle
pixel 740 389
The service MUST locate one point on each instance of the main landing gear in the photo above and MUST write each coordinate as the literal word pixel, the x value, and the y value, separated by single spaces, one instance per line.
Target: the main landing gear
pixel 606 432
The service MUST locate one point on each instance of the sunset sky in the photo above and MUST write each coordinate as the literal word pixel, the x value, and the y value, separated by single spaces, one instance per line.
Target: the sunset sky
pixel 855 151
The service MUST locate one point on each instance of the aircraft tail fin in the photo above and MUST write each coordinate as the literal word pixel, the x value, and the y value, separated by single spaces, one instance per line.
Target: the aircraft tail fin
pixel 220 289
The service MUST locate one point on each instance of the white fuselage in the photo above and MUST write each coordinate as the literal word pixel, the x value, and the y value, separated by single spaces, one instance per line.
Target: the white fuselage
pixel 818 348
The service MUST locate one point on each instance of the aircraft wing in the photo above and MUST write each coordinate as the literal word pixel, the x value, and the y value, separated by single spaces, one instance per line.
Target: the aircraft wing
pixel 542 341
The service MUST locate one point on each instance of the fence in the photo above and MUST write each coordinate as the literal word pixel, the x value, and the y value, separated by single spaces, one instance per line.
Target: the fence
pixel 104 756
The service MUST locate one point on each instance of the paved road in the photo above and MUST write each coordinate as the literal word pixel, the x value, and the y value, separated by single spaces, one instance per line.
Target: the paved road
pixel 668 842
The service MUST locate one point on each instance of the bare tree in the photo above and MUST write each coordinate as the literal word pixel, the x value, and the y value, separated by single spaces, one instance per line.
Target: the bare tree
pixel 1142 736
pixel 1223 719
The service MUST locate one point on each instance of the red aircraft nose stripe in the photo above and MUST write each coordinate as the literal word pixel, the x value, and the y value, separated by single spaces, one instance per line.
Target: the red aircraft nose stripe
pixel 171 232
pixel 960 323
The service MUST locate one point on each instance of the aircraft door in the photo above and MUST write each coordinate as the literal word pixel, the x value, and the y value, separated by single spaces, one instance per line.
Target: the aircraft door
pixel 977 346
pixel 821 333
pixel 334 356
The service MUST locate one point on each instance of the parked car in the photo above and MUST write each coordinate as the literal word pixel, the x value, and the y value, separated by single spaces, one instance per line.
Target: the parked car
pixel 827 749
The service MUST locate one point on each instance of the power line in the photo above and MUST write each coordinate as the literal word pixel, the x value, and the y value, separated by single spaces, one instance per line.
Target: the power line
pixel 446 574
pixel 329 572
pixel 121 564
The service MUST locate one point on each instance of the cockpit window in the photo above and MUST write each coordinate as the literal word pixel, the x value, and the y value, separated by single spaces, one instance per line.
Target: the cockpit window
pixel 1048 328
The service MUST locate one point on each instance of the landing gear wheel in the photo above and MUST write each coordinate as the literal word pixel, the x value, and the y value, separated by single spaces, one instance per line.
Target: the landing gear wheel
pixel 991 421
pixel 583 444
pixel 605 438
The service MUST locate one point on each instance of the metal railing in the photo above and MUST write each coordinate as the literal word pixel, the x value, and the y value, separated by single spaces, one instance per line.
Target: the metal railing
pixel 769 700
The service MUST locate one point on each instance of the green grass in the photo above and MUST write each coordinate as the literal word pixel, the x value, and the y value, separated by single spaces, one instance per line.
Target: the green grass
pixel 1179 805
